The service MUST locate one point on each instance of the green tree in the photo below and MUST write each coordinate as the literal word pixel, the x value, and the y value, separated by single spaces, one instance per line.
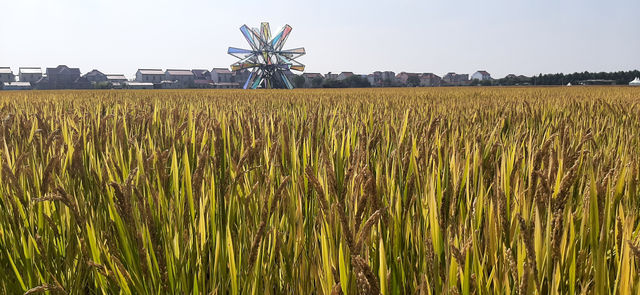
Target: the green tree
pixel 387 82
pixel 298 81
pixel 333 83
pixel 356 81
pixel 317 82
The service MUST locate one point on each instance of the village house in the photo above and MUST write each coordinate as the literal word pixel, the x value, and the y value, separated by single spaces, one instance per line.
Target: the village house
pixel 117 81
pixel 403 77
pixel 6 75
pixel 150 75
pixel 95 76
pixel 42 83
pixel 201 74
pixel 344 75
pixel 202 79
pixel 62 77
pixel 430 80
pixel 183 78
pixel 481 75
pixel 331 76
pixel 452 78
pixel 115 78
pixel 380 79
pixel 221 75
pixel 29 74
pixel 83 83
pixel 310 77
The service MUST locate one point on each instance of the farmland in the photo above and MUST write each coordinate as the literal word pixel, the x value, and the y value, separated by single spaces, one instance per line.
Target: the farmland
pixel 363 191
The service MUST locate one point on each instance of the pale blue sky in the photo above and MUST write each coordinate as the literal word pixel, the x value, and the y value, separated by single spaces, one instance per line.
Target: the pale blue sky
pixel 522 37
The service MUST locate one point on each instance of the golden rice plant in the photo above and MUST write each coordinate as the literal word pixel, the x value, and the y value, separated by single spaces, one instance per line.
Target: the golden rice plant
pixel 358 191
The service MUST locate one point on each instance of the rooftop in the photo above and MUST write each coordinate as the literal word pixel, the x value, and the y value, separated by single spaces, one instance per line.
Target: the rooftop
pixel 312 75
pixel 62 68
pixel 30 70
pixel 116 77
pixel 94 72
pixel 151 71
pixel 221 71
pixel 180 72
pixel 139 83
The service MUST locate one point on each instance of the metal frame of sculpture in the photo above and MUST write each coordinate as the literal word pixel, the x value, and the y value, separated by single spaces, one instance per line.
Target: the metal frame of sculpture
pixel 266 59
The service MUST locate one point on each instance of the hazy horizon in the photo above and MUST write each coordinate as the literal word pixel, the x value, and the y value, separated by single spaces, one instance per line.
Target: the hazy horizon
pixel 502 37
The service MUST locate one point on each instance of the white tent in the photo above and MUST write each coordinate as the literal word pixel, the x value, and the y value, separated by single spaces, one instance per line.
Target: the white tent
pixel 635 82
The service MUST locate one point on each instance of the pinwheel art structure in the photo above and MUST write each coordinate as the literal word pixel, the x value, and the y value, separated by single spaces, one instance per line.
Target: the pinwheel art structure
pixel 266 59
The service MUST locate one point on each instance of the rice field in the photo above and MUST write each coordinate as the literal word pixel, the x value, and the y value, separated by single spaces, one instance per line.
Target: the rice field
pixel 358 191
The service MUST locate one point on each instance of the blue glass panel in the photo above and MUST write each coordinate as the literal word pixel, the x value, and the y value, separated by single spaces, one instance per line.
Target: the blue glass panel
pixel 233 50
pixel 248 80
pixel 247 35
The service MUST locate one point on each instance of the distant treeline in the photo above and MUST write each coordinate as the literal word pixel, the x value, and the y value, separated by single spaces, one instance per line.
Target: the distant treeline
pixel 620 78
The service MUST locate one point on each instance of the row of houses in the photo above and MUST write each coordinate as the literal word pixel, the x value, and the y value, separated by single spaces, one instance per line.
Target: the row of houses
pixel 389 78
pixel 64 77
pixel 177 78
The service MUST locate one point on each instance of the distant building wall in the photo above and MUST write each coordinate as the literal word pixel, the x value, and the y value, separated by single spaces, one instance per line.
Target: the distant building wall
pixel 62 77
pixel 150 75
pixel 6 75
pixel 220 75
pixel 30 75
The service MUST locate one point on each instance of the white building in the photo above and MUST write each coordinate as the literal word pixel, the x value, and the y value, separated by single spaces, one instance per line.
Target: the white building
pixel 481 75
pixel 139 85
pixel 150 75
pixel 6 75
pixel 635 82
pixel 31 75
pixel 17 86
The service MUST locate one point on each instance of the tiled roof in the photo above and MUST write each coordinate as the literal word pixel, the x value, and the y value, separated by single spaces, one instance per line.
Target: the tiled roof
pixel 180 72
pixel 94 72
pixel 151 71
pixel 30 70
pixel 62 69
pixel 221 71
pixel 312 75
pixel 116 77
